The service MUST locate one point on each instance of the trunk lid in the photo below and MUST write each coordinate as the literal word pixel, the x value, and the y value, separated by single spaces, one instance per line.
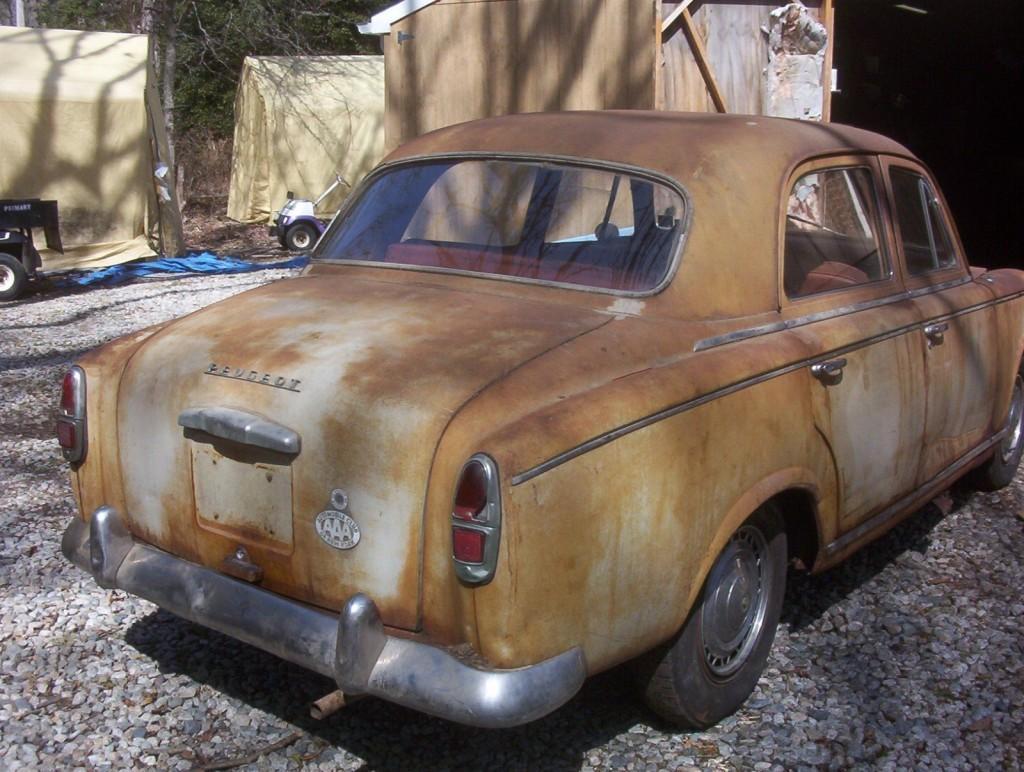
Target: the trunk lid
pixel 368 373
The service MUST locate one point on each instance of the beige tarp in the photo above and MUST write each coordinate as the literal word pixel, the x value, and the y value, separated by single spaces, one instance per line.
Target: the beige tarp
pixel 298 121
pixel 75 126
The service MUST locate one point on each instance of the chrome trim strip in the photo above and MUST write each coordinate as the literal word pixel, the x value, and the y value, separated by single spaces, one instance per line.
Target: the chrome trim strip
pixel 800 321
pixel 738 335
pixel 971 309
pixel 352 646
pixel 940 287
pixel 653 418
pixel 900 506
pixel 239 426
pixel 614 434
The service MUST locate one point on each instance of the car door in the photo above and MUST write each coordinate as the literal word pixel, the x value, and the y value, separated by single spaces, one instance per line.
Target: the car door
pixel 958 323
pixel 841 294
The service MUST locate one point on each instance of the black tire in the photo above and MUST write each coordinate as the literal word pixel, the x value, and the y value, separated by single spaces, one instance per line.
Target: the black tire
pixel 1000 469
pixel 13 277
pixel 300 237
pixel 702 676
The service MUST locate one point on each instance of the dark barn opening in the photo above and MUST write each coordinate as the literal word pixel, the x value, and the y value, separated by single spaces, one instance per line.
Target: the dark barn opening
pixel 943 77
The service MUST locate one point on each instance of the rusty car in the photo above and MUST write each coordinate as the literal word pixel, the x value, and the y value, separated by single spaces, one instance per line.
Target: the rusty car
pixel 556 392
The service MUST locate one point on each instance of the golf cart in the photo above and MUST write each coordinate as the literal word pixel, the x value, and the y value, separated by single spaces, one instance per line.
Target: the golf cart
pixel 19 258
pixel 296 226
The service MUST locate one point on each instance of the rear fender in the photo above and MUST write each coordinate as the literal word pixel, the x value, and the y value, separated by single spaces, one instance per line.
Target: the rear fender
pixel 782 481
pixel 96 481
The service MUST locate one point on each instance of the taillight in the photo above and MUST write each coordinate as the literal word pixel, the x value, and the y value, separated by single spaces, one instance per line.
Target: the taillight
pixel 71 415
pixel 476 520
pixel 468 545
pixel 471 495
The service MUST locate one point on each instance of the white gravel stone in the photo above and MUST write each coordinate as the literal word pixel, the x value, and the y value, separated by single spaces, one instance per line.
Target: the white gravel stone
pixel 909 655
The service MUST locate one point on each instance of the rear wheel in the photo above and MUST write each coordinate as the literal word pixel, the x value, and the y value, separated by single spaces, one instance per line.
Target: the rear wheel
pixel 714 663
pixel 300 237
pixel 999 470
pixel 13 277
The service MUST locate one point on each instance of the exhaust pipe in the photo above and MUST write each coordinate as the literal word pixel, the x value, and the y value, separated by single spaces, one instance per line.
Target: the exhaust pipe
pixel 331 703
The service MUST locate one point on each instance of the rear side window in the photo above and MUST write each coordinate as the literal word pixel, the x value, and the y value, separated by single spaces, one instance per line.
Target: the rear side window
pixel 832 233
pixel 927 243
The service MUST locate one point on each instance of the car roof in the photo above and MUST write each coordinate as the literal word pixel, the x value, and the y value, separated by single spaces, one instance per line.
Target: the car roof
pixel 734 169
pixel 679 145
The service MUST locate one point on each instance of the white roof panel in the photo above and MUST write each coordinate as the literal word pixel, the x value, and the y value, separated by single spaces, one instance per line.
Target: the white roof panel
pixel 380 23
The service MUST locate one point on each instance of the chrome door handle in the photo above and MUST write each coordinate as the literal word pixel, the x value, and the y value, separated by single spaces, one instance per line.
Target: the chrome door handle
pixel 829 373
pixel 936 333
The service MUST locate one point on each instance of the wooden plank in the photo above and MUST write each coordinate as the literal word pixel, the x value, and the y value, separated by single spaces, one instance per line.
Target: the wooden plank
pixel 578 54
pixel 738 52
pixel 659 60
pixel 828 18
pixel 682 85
pixel 700 55
pixel 468 60
pixel 395 104
pixel 674 18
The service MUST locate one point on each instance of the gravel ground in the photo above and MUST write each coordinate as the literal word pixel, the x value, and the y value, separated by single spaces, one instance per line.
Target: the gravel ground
pixel 909 655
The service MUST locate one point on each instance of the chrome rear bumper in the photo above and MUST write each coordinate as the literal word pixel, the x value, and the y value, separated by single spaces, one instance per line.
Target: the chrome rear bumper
pixel 352 647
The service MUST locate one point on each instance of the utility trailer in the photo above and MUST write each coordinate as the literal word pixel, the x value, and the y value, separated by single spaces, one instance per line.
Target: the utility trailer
pixel 19 258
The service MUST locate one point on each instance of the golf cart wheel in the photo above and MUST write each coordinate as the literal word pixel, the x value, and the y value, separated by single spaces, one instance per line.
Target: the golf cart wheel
pixel 300 237
pixel 13 277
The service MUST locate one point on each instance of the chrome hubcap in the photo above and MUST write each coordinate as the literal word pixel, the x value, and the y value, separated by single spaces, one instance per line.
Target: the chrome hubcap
pixel 6 278
pixel 1014 423
pixel 735 601
pixel 301 239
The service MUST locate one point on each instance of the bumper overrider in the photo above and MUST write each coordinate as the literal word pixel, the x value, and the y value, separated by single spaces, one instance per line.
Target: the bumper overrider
pixel 350 647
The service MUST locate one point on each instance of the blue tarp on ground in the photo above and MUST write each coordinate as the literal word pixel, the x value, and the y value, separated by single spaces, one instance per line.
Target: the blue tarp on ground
pixel 204 262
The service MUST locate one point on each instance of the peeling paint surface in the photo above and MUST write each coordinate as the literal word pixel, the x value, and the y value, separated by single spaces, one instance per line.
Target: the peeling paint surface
pixel 796 57
pixel 648 454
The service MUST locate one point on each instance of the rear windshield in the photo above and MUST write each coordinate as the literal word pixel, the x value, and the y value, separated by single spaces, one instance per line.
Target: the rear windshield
pixel 532 221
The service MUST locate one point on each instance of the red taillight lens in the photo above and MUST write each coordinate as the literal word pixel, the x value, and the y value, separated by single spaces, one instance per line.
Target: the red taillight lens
pixel 467 545
pixel 71 415
pixel 67 435
pixel 68 394
pixel 471 496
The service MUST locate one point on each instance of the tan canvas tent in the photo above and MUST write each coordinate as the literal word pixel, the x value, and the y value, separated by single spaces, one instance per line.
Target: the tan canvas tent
pixel 80 123
pixel 298 121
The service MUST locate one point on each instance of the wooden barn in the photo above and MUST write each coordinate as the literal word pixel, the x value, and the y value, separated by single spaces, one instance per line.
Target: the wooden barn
pixel 933 74
pixel 448 61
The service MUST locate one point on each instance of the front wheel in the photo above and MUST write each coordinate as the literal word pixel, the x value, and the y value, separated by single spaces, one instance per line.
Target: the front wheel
pixel 714 663
pixel 300 237
pixel 13 277
pixel 999 470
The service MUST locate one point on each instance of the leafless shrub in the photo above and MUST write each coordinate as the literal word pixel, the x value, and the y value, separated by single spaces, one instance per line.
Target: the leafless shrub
pixel 204 167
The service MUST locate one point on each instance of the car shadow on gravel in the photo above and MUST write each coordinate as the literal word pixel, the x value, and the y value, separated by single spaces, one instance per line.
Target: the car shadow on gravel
pixel 104 309
pixel 808 596
pixel 384 735
pixel 50 288
pixel 883 647
pixel 387 736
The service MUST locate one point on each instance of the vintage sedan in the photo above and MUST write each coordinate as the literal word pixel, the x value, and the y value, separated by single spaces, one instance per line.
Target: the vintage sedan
pixel 557 391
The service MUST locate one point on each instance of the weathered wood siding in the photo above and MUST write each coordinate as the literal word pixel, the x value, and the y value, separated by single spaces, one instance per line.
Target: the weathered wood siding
pixel 470 59
pixel 737 46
